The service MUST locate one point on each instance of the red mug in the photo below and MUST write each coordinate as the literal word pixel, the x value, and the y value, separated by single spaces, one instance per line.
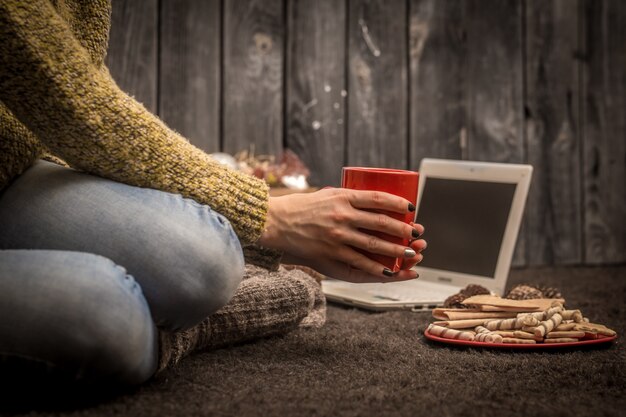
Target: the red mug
pixel 393 181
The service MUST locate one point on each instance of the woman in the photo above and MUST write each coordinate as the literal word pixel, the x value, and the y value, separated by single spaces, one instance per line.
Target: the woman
pixel 140 200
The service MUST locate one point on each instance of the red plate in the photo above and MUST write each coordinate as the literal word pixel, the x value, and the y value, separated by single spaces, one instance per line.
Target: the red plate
pixel 584 342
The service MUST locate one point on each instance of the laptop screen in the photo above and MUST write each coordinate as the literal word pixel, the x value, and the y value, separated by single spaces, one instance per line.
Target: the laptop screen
pixel 465 222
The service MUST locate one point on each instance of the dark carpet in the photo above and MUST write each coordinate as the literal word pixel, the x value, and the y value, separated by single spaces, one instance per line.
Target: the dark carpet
pixel 375 364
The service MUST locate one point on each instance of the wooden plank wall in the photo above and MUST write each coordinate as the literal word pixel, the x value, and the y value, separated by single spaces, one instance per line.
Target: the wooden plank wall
pixel 190 69
pixel 388 82
pixel 604 123
pixel 316 86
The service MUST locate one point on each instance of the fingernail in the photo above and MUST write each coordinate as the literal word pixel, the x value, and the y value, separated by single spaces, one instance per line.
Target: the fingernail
pixel 415 233
pixel 409 253
pixel 387 272
pixel 411 207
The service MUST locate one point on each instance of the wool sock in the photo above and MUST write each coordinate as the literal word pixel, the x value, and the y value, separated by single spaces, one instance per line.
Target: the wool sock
pixel 266 303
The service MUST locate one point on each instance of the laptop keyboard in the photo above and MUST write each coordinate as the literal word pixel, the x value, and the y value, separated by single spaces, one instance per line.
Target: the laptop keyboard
pixel 424 295
pixel 409 292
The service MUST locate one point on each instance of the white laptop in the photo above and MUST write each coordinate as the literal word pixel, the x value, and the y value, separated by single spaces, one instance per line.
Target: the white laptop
pixel 472 213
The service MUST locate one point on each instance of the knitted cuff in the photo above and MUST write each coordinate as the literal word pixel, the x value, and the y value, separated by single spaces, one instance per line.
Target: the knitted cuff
pixel 242 198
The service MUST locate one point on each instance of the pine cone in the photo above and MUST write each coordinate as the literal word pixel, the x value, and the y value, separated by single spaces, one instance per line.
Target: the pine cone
pixel 474 289
pixel 454 301
pixel 524 292
pixel 549 292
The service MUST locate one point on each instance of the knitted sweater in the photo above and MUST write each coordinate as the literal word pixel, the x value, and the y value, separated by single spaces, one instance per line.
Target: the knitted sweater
pixel 57 96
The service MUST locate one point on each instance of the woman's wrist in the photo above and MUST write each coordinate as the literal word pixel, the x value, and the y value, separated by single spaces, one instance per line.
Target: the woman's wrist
pixel 270 233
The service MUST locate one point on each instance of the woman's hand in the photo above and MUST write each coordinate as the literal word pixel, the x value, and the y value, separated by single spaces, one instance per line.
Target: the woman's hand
pixel 321 230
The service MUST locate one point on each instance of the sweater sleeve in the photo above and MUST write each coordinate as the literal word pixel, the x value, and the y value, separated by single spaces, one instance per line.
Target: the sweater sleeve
pixel 50 84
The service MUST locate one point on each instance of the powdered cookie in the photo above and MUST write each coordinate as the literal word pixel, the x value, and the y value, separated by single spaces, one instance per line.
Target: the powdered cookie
pixel 565 327
pixel 561 340
pixel 570 334
pixel 518 341
pixel 525 335
pixel 595 328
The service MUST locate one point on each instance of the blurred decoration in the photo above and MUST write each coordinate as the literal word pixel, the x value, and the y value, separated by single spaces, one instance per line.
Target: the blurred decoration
pixel 532 291
pixel 226 159
pixel 287 171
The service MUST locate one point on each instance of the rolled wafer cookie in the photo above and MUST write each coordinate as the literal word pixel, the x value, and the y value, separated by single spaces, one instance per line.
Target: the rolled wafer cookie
pixel 539 315
pixel 548 325
pixel 443 313
pixel 517 341
pixel 483 334
pixel 485 315
pixel 556 308
pixel 570 334
pixel 481 329
pixel 561 340
pixel 493 309
pixel 460 324
pixel 529 321
pixel 488 337
pixel 509 324
pixel 448 333
pixel 506 304
pixel 505 333
pixel 575 315
pixel 563 327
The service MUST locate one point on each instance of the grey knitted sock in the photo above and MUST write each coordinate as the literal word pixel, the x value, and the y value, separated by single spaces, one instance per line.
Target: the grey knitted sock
pixel 266 303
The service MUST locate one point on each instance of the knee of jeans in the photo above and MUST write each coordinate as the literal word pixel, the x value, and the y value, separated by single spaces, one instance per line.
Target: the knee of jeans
pixel 118 339
pixel 122 348
pixel 125 351
pixel 216 269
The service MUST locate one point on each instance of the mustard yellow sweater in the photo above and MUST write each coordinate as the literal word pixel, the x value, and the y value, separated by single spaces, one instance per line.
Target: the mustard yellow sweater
pixel 57 96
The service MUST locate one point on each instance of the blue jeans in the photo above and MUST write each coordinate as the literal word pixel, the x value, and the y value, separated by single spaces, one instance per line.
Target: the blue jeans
pixel 89 268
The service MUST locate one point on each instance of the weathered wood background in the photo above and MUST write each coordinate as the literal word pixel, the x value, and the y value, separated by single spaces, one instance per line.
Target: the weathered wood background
pixel 388 82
